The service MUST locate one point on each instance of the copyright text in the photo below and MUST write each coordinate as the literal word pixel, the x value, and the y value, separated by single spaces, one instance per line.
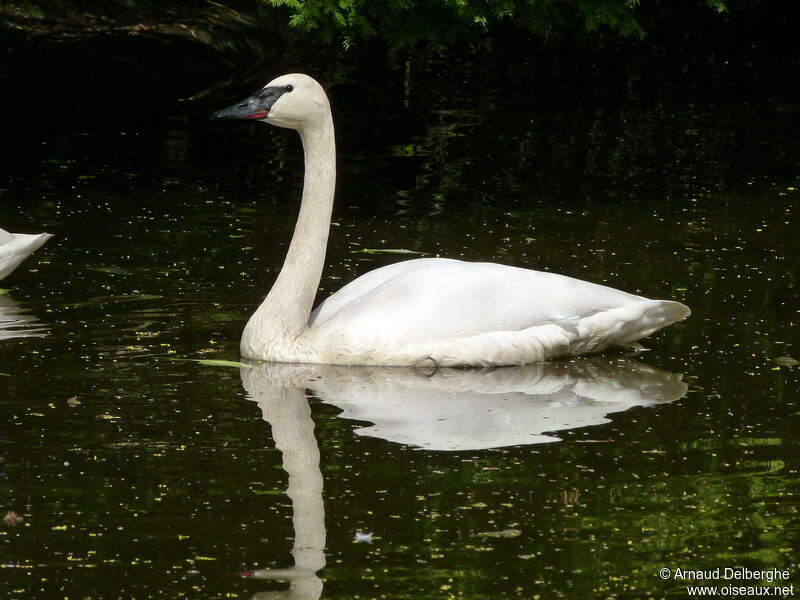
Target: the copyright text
pixel 739 581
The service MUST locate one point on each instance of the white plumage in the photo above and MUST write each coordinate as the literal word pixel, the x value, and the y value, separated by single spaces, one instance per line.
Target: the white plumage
pixel 16 247
pixel 433 311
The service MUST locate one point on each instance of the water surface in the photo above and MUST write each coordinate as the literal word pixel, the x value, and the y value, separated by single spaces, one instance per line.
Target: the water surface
pixel 137 472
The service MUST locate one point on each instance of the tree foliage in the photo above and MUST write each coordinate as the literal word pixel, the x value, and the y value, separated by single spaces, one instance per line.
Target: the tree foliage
pixel 405 22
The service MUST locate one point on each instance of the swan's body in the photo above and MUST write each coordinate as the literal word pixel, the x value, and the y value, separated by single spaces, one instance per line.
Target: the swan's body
pixel 16 247
pixel 426 311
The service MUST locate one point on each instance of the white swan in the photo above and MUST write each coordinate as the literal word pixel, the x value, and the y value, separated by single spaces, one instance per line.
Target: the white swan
pixel 16 247
pixel 432 311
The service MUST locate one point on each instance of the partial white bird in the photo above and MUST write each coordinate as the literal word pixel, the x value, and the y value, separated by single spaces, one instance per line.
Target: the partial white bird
pixel 16 247
pixel 433 311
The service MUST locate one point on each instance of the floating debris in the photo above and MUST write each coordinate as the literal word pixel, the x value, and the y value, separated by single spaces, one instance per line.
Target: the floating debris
pixel 505 533
pixel 12 519
pixel 213 362
pixel 786 361
pixel 363 537
pixel 388 251
pixel 570 497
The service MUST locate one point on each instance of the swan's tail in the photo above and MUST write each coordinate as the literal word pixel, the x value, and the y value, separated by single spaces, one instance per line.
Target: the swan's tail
pixel 16 249
pixel 624 325
pixel 572 336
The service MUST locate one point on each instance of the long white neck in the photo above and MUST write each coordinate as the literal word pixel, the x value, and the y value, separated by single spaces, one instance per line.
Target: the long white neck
pixel 285 310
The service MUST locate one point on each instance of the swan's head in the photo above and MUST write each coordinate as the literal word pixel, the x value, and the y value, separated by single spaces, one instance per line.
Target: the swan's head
pixel 294 101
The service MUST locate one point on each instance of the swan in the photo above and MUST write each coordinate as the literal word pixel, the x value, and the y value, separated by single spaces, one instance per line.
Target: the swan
pixel 422 312
pixel 16 247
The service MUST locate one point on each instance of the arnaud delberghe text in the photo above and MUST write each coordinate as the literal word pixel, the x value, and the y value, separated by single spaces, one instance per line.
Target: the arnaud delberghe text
pixel 728 573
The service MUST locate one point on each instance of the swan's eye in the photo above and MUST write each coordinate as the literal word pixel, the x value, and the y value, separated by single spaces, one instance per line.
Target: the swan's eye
pixel 288 88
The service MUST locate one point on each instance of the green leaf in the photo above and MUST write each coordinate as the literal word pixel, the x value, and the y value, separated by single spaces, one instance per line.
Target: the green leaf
pixel 214 362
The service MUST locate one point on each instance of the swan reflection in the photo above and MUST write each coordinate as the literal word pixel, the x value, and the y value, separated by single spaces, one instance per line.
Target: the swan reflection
pixel 455 409
pixel 286 409
pixel 447 409
pixel 14 322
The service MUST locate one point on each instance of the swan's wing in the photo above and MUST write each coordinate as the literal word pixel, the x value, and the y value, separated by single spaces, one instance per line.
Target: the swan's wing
pixel 459 313
pixel 436 300
pixel 359 288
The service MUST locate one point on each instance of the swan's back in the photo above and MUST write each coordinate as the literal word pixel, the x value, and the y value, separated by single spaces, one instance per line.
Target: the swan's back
pixel 491 313
pixel 439 299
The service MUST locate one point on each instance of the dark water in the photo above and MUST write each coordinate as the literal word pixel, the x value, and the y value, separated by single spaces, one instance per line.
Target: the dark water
pixel 139 473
